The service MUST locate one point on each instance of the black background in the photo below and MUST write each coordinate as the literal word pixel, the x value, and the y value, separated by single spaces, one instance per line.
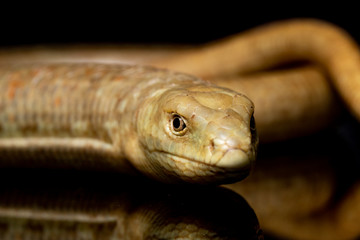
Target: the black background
pixel 148 23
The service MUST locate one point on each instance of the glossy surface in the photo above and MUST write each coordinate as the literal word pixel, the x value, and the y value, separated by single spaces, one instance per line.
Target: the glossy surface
pixel 74 205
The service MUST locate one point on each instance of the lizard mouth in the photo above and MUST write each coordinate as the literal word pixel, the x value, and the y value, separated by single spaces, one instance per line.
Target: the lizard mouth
pixel 195 171
pixel 225 164
pixel 183 159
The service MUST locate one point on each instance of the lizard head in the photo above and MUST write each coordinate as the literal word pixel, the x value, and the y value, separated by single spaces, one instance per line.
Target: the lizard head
pixel 198 133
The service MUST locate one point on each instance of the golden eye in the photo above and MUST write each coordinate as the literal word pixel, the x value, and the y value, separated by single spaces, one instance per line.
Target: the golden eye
pixel 177 124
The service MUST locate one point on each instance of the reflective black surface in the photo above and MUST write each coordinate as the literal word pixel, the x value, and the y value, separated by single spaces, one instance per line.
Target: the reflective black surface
pixel 49 204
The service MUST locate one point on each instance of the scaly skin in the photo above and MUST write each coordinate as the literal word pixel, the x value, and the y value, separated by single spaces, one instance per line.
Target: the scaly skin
pixel 276 43
pixel 118 117
pixel 283 99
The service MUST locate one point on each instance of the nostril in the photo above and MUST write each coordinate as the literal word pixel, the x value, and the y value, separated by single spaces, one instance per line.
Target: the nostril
pixel 212 145
pixel 252 123
pixel 254 137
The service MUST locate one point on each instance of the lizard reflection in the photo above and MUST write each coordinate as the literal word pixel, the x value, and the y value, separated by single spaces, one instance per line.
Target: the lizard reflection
pixel 42 204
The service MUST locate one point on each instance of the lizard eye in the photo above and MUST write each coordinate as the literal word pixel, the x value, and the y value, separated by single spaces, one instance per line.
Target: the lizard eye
pixel 178 125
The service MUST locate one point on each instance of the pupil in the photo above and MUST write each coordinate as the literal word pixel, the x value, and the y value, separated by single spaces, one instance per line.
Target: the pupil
pixel 176 123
